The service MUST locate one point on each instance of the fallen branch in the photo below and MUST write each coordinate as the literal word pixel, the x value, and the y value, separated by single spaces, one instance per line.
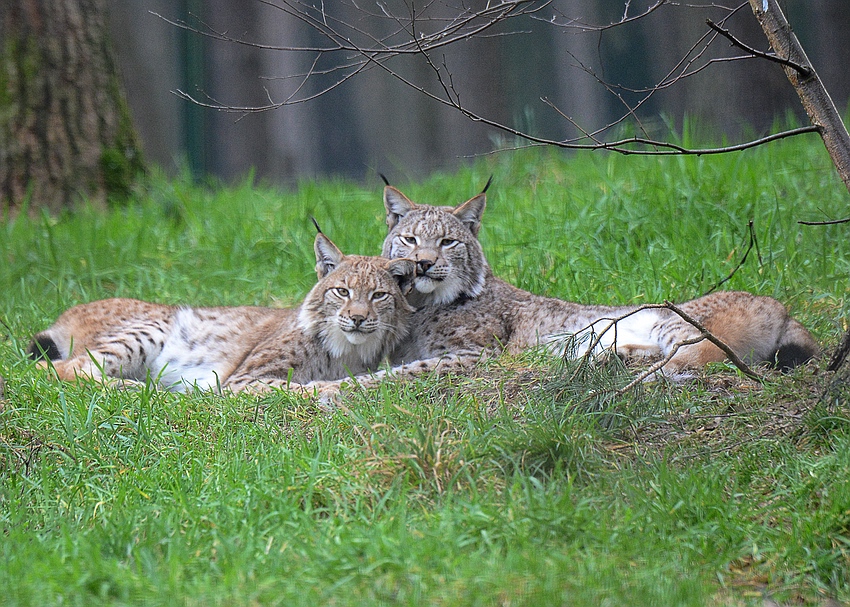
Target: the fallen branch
pixel 832 222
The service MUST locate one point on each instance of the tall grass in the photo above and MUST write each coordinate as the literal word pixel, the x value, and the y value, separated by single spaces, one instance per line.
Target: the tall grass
pixel 509 487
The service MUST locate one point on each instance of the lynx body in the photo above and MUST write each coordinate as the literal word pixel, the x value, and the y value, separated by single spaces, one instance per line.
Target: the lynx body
pixel 466 311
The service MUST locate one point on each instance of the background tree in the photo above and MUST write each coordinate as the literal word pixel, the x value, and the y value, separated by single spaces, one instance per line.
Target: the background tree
pixel 65 130
pixel 618 66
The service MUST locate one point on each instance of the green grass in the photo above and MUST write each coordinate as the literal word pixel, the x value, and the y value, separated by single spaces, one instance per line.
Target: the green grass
pixel 511 487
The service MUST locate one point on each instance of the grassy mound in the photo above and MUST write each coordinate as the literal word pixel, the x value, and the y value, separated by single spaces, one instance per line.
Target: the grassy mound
pixel 530 483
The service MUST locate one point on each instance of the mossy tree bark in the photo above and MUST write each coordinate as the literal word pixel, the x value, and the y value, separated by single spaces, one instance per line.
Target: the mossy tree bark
pixel 65 128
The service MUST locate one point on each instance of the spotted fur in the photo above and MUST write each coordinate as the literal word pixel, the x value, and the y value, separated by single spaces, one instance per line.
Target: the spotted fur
pixel 465 312
pixel 348 323
pixel 472 311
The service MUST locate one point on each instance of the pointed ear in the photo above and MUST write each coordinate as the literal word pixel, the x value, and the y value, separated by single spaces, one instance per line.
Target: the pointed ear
pixel 328 256
pixel 404 272
pixel 470 212
pixel 397 205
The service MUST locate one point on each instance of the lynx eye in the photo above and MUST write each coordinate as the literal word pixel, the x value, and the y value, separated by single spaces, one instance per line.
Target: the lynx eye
pixel 448 242
pixel 379 295
pixel 340 291
pixel 408 240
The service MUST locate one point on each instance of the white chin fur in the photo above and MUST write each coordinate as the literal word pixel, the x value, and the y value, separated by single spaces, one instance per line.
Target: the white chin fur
pixel 425 285
pixel 357 338
pixel 362 346
pixel 440 293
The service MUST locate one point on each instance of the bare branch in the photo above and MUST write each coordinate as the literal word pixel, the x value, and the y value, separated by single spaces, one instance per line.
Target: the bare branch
pixel 753 243
pixel 419 34
pixel 804 71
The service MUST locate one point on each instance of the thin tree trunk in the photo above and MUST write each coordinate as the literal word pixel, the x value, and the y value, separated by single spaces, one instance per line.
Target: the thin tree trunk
pixel 817 103
pixel 816 100
pixel 65 130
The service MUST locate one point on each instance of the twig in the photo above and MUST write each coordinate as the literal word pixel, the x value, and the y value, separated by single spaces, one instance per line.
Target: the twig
pixel 753 243
pixel 658 365
pixel 804 71
pixel 588 27
pixel 825 223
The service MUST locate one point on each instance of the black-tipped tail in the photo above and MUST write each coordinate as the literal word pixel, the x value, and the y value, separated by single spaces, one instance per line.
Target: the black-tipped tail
pixel 43 346
pixel 793 355
pixel 796 347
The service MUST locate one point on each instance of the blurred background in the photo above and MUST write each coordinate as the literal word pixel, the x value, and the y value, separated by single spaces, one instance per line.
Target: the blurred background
pixel 375 123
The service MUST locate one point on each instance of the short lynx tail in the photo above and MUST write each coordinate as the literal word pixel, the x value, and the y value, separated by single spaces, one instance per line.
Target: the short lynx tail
pixel 797 347
pixel 42 347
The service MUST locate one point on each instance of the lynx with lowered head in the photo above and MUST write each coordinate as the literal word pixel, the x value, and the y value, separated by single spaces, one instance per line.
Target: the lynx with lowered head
pixel 466 311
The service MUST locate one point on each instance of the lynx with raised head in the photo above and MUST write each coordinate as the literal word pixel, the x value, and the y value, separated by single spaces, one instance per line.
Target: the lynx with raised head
pixel 348 323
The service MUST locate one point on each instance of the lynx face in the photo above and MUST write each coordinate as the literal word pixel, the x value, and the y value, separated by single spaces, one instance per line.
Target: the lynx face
pixel 442 241
pixel 359 302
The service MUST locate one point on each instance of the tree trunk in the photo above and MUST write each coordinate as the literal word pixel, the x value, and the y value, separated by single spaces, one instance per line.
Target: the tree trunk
pixel 816 101
pixel 65 129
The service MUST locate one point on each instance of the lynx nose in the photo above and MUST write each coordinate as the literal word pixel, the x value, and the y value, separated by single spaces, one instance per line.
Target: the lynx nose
pixel 357 319
pixel 423 265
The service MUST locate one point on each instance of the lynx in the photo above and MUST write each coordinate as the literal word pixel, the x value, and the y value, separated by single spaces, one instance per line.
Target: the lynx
pixel 464 310
pixel 348 323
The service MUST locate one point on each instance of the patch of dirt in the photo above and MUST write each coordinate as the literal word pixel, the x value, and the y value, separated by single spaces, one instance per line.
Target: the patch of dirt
pixel 716 411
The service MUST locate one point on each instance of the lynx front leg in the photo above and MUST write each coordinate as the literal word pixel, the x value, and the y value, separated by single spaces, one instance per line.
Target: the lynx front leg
pixel 330 392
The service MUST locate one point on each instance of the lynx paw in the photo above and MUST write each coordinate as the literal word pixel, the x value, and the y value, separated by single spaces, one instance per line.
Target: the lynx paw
pixel 328 395
pixel 639 352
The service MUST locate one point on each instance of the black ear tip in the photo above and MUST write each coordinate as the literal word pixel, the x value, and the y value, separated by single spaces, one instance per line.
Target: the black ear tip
pixel 316 223
pixel 487 185
pixel 384 178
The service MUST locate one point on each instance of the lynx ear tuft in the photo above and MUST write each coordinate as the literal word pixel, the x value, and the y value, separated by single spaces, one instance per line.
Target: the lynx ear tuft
pixel 397 205
pixel 471 211
pixel 384 178
pixel 487 185
pixel 328 256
